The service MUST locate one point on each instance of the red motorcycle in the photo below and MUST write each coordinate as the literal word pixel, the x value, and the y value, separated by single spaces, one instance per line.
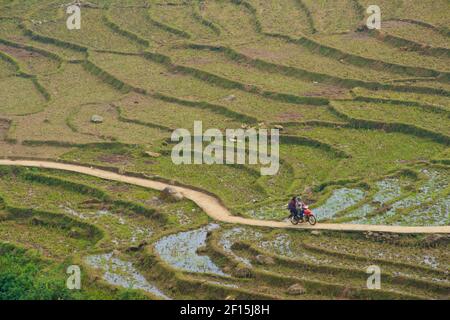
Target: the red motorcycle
pixel 308 216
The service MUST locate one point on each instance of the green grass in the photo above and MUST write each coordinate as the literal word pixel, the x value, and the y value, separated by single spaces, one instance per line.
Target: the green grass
pixel 182 19
pixel 25 276
pixel 112 129
pixel 363 45
pixel 416 33
pixel 290 54
pixel 32 62
pixel 287 17
pixel 414 97
pixel 333 16
pixel 31 100
pixel 51 124
pixel 94 33
pixel 429 11
pixel 11 30
pixel 218 64
pixel 373 153
pixel 370 110
pixel 434 121
pixel 157 77
pixel 152 111
pixel 220 180
pixel 235 22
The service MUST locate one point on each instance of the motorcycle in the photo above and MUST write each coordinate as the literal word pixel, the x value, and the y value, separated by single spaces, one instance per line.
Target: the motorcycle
pixel 308 216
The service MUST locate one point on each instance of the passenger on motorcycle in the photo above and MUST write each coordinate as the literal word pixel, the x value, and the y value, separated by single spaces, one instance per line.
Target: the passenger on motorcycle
pixel 295 207
pixel 300 207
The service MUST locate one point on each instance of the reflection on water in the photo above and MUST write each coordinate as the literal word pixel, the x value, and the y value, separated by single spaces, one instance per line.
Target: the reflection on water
pixel 180 251
pixel 340 199
pixel 388 190
pixel 122 273
pixel 230 236
pixel 436 214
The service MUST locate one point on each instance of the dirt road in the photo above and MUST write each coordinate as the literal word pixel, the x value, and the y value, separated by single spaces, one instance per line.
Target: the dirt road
pixel 212 205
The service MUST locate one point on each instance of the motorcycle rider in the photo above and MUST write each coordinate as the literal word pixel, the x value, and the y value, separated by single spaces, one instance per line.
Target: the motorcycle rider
pixel 292 207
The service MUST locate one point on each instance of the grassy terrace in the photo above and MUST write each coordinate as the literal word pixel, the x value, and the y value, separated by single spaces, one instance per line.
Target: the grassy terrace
pixel 365 139
pixel 416 33
pixel 366 46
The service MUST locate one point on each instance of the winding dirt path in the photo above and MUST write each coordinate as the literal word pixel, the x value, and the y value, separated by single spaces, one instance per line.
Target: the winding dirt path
pixel 212 205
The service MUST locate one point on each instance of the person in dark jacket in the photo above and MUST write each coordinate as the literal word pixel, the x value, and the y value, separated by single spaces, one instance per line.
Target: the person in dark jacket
pixel 292 207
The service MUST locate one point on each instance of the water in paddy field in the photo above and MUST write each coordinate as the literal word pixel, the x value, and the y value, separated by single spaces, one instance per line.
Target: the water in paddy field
pixel 431 214
pixel 122 273
pixel 238 233
pixel 280 245
pixel 339 200
pixel 388 190
pixel 436 214
pixel 180 251
pixel 123 229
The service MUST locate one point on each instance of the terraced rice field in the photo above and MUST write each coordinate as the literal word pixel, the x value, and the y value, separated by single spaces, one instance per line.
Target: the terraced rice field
pixel 365 140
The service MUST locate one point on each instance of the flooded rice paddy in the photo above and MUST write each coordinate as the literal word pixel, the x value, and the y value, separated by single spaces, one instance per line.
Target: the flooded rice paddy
pixel 180 251
pixel 122 273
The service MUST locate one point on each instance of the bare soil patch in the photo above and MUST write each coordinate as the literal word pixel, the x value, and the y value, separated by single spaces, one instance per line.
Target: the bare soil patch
pixel 257 53
pixel 290 116
pixel 19 53
pixel 114 158
pixel 394 24
pixel 330 91
pixel 199 61
pixel 357 36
